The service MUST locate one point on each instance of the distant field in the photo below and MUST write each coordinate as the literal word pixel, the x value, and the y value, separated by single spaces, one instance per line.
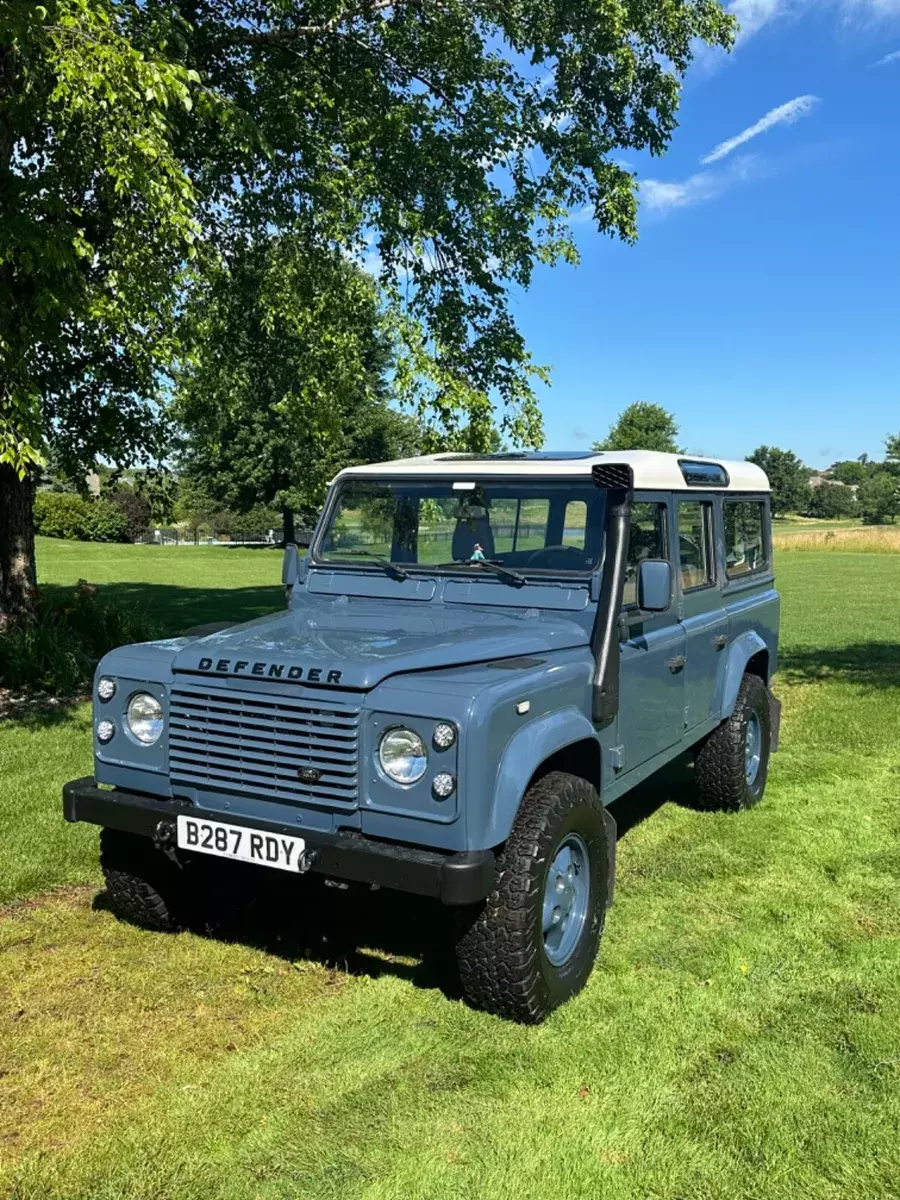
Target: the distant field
pixel 738 1038
pixel 857 539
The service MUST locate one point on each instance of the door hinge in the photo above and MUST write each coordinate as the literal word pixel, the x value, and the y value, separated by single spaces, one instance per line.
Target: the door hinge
pixel 616 757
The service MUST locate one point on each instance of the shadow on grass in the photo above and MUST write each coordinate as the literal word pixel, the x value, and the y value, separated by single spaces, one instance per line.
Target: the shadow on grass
pixel 33 715
pixel 357 930
pixel 179 608
pixel 868 664
pixel 673 783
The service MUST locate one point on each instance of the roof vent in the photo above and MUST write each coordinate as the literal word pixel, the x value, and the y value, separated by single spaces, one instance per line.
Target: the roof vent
pixel 703 474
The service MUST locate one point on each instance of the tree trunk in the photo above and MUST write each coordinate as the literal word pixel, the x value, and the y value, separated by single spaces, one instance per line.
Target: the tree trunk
pixel 17 574
pixel 287 522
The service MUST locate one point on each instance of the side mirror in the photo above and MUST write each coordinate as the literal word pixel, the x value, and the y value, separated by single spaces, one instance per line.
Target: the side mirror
pixel 290 566
pixel 654 585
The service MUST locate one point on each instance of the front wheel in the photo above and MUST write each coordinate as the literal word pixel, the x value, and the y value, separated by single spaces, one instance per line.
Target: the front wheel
pixel 143 886
pixel 732 765
pixel 532 945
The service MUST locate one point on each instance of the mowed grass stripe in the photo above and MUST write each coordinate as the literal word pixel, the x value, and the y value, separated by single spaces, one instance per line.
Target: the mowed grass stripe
pixel 738 1038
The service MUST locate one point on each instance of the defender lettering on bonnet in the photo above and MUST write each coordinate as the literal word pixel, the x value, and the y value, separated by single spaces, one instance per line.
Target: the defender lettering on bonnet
pixel 243 666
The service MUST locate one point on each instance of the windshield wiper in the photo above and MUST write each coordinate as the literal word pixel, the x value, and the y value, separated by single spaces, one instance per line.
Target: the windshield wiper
pixel 512 577
pixel 390 568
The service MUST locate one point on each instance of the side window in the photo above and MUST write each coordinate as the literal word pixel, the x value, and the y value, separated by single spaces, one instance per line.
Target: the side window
pixel 695 544
pixel 745 547
pixel 648 539
pixel 575 525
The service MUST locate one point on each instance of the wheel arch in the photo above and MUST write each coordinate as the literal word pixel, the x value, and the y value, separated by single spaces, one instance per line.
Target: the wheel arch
pixel 748 654
pixel 560 741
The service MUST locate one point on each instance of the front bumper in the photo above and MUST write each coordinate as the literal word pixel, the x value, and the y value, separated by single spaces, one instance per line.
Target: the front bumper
pixel 454 879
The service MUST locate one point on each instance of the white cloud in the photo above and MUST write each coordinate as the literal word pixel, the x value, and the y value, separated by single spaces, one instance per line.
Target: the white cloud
pixel 785 114
pixel 755 15
pixel 663 196
pixel 888 58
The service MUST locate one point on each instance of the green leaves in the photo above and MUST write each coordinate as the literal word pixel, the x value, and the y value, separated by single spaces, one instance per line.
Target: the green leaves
pixel 446 143
pixel 642 426
pixel 284 379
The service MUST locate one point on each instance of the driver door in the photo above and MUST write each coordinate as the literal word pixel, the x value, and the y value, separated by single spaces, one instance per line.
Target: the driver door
pixel 651 685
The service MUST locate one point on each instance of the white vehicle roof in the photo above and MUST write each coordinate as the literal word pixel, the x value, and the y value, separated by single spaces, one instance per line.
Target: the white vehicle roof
pixel 653 471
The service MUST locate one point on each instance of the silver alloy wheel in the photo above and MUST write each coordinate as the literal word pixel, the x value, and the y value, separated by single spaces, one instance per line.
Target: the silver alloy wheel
pixel 566 895
pixel 752 748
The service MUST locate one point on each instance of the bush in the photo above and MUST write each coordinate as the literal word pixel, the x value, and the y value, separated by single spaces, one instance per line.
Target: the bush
pixel 104 522
pixel 60 514
pixel 57 650
pixel 831 500
pixel 66 515
pixel 137 512
pixel 257 520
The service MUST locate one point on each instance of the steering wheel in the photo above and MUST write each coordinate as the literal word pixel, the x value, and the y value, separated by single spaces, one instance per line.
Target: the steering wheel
pixel 545 550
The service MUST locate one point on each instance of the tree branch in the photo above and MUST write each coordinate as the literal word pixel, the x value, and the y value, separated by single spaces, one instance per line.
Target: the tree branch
pixel 278 37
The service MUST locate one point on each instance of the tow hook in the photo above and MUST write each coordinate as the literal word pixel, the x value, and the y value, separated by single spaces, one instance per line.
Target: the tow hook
pixel 307 858
pixel 164 839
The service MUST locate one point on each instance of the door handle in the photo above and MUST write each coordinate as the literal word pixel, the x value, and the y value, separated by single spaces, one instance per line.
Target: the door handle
pixel 720 641
pixel 675 664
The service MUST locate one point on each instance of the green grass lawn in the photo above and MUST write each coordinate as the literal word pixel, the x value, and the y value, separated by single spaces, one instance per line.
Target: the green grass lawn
pixel 739 1037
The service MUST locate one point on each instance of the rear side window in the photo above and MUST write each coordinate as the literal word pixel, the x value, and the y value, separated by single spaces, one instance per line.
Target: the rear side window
pixel 745 547
pixel 695 544
pixel 648 539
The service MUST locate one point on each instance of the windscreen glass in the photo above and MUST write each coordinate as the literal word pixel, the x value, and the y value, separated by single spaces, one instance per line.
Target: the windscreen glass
pixel 530 526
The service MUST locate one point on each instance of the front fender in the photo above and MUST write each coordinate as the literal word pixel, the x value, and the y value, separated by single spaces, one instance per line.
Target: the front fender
pixel 525 751
pixel 740 652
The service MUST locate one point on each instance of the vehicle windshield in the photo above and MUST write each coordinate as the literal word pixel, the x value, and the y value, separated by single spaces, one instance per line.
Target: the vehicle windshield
pixel 523 525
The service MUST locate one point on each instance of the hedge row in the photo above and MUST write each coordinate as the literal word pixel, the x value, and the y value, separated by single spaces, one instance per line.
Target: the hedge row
pixel 66 515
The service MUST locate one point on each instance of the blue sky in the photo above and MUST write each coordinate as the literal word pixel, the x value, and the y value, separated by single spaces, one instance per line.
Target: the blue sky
pixel 762 302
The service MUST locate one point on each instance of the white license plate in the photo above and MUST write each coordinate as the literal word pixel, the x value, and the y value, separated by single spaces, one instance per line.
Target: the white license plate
pixel 242 843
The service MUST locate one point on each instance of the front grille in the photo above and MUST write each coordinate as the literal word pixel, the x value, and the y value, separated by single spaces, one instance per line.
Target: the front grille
pixel 255 744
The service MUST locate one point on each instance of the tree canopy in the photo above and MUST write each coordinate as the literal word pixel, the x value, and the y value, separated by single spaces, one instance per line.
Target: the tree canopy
pixel 879 498
pixel 285 380
pixel 831 500
pixel 448 142
pixel 788 478
pixel 642 426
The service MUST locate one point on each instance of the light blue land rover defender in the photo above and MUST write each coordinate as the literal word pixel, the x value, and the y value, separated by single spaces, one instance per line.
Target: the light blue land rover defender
pixel 478 655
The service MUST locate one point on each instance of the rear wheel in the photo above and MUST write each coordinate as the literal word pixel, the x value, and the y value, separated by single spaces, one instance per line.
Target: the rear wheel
pixel 732 765
pixel 143 886
pixel 532 945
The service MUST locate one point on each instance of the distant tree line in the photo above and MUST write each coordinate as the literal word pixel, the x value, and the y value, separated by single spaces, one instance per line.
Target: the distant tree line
pixel 853 487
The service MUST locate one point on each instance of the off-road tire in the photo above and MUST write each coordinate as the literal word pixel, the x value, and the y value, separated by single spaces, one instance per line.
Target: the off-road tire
pixel 720 780
pixel 500 947
pixel 142 885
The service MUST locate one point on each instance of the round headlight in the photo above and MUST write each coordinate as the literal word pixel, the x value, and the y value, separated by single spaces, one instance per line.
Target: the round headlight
pixel 403 755
pixel 106 688
pixel 145 718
